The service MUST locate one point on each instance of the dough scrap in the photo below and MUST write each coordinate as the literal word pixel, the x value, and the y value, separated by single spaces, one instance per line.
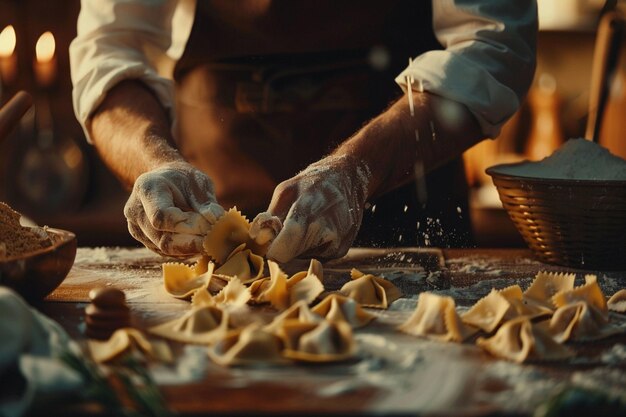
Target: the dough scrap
pixel 589 292
pixel 299 311
pixel 518 340
pixel 181 281
pixel 370 291
pixel 243 264
pixel 200 325
pixel 228 233
pixel 337 308
pixel 546 285
pixel 316 342
pixel 435 317
pixel 580 321
pixel 617 302
pixel 128 340
pixel 247 346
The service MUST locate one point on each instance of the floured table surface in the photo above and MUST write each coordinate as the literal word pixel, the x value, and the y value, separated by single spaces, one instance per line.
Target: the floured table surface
pixel 393 372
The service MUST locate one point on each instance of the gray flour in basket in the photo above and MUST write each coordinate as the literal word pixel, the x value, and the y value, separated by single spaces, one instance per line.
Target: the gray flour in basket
pixel 577 159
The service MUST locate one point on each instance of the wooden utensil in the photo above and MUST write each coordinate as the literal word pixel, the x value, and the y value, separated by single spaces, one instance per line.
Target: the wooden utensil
pixel 605 59
pixel 12 112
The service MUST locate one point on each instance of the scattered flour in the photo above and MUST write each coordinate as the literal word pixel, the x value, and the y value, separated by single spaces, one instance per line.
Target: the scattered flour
pixel 577 159
pixel 474 265
pixel 191 365
pixel 615 356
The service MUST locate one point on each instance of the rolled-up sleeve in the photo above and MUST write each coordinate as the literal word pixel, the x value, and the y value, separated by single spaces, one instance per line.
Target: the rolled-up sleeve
pixel 489 58
pixel 118 40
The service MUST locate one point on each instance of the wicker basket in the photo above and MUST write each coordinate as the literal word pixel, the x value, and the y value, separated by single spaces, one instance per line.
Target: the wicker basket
pixel 576 223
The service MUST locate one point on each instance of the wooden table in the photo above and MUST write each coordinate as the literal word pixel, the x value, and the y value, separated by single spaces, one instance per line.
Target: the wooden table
pixel 396 374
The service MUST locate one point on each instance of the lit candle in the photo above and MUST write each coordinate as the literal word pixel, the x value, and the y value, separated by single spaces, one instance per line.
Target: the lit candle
pixel 45 66
pixel 8 57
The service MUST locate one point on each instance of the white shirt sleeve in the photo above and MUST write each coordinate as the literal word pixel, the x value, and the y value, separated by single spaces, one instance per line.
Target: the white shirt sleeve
pixel 125 39
pixel 489 57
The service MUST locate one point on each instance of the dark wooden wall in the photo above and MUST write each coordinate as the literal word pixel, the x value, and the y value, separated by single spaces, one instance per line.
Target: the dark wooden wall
pixel 55 179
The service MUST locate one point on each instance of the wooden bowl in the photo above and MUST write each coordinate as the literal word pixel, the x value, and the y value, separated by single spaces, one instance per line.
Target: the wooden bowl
pixel 38 273
pixel 575 223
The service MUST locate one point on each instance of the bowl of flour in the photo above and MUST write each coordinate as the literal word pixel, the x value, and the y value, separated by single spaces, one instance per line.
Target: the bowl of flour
pixel 570 207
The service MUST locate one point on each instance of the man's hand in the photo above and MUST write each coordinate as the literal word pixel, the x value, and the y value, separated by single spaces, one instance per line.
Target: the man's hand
pixel 171 208
pixel 321 209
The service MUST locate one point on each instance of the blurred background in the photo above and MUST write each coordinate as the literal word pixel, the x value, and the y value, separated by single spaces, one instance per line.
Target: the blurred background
pixel 50 174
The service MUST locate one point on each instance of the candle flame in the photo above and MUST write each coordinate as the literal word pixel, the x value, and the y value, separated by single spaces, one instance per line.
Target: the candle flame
pixel 7 41
pixel 44 50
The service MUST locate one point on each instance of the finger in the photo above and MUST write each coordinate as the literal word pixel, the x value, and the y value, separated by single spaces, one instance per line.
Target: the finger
pixel 211 212
pixel 137 234
pixel 288 243
pixel 265 228
pixel 171 243
pixel 157 200
pixel 173 219
pixel 284 196
pixel 180 244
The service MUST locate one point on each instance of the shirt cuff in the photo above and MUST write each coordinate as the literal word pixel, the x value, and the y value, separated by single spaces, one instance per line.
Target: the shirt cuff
pixel 90 92
pixel 450 75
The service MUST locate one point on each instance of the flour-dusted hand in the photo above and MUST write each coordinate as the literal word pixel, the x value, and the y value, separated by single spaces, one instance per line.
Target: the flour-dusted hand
pixel 171 208
pixel 321 209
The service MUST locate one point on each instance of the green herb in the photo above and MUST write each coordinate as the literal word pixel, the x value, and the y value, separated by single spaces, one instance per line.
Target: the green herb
pixel 576 401
pixel 135 380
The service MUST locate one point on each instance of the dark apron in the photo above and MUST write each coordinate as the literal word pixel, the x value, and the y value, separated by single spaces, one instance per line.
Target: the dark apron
pixel 264 88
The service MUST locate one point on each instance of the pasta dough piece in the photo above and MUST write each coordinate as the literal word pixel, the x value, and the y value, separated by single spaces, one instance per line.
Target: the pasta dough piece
pixel 201 325
pixel 436 318
pixel 246 346
pixel 228 233
pixel 128 340
pixel 243 264
pixel 579 321
pixel 515 297
pixel 272 290
pixel 489 312
pixel 589 292
pixel 501 305
pixel 282 292
pixel 306 285
pixel 217 283
pixel 370 291
pixel 259 288
pixel 617 302
pixel 337 308
pixel 202 297
pixel 519 341
pixel 202 265
pixel 299 311
pixel 234 293
pixel 316 342
pixel 181 281
pixel 546 285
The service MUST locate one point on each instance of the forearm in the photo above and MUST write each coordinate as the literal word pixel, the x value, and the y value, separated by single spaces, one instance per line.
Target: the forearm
pixel 131 132
pixel 393 143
